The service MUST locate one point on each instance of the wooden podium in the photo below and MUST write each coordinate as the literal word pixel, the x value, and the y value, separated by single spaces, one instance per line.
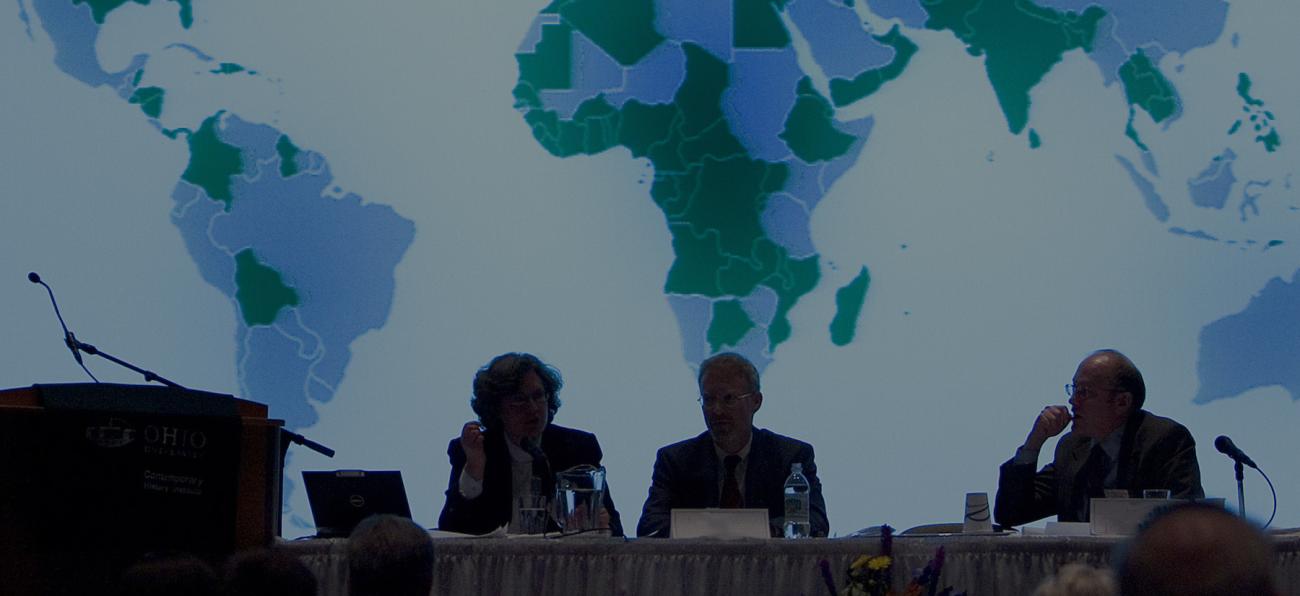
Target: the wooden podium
pixel 95 476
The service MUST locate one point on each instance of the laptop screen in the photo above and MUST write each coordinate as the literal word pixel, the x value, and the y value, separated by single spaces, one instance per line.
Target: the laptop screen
pixel 340 499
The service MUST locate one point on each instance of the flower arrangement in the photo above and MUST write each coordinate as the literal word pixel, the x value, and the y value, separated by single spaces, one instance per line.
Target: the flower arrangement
pixel 873 575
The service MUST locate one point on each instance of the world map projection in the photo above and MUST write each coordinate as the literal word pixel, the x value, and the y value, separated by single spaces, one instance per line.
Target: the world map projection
pixel 914 216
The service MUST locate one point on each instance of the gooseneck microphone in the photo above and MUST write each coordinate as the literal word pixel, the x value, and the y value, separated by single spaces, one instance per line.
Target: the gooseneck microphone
pixel 541 464
pixel 68 338
pixel 530 445
pixel 1226 447
pixel 78 347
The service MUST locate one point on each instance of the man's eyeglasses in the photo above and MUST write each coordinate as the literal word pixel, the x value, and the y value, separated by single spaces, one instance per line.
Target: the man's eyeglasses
pixel 725 401
pixel 520 400
pixel 1078 392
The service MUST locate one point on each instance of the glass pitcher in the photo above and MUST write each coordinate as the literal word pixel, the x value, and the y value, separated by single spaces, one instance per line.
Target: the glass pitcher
pixel 579 496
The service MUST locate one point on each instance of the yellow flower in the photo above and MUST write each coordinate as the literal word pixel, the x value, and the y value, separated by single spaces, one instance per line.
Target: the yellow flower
pixel 879 562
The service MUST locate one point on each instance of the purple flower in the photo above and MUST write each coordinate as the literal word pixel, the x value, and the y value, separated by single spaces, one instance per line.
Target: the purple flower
pixel 887 540
pixel 827 576
pixel 933 570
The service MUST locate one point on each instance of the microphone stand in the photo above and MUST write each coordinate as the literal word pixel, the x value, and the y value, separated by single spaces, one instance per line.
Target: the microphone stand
pixel 150 376
pixel 308 443
pixel 1241 490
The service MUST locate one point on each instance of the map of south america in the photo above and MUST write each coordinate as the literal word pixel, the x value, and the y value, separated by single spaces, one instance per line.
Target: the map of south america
pixel 307 267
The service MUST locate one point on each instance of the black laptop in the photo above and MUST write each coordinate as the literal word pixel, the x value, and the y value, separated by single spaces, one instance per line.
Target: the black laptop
pixel 342 498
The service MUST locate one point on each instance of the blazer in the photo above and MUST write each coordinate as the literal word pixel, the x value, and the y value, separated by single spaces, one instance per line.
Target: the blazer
pixel 1155 452
pixel 687 475
pixel 564 448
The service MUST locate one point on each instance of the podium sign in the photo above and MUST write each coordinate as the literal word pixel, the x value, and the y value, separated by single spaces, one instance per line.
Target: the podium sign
pixel 93 476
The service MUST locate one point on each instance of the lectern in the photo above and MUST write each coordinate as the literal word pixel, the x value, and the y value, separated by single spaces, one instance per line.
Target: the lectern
pixel 95 476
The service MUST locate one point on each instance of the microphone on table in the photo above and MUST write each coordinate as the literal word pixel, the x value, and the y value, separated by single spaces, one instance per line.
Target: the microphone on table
pixel 1225 446
pixel 69 339
pixel 541 464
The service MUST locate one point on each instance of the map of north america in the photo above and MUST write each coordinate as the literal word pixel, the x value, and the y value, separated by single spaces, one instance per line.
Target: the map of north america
pixel 308 268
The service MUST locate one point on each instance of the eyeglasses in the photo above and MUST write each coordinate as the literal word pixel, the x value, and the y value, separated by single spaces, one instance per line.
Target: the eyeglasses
pixel 520 400
pixel 726 401
pixel 1078 392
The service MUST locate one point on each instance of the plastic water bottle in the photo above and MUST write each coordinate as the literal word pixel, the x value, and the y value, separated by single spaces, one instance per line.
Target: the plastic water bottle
pixel 796 504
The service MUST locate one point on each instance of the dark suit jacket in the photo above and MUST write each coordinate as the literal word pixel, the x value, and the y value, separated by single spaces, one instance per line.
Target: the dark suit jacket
pixel 687 475
pixel 564 447
pixel 1155 452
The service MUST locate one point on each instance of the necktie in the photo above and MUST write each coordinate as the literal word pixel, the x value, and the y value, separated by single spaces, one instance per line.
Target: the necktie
pixel 731 498
pixel 1092 479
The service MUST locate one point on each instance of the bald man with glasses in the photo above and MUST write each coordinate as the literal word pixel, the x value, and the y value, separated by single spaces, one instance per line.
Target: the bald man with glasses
pixel 731 464
pixel 1114 444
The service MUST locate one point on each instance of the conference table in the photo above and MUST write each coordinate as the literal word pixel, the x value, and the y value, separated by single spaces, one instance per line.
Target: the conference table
pixel 979 565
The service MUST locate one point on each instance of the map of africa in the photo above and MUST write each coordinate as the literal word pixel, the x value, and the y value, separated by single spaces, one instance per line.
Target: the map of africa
pixel 744 145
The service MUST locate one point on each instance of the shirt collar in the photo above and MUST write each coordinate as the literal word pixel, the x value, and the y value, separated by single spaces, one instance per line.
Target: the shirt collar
pixel 517 453
pixel 743 453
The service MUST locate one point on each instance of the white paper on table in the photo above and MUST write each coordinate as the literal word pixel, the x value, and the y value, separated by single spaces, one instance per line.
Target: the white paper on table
pixel 442 534
pixel 719 523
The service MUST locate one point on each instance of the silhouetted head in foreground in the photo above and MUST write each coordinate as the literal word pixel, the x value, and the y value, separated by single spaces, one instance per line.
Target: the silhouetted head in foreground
pixel 389 556
pixel 268 572
pixel 169 574
pixel 1198 550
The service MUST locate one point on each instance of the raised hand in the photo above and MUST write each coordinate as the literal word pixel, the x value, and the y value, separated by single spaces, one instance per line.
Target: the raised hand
pixel 472 441
pixel 1050 422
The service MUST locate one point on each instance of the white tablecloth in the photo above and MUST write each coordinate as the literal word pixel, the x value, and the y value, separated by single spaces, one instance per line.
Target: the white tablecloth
pixel 977 564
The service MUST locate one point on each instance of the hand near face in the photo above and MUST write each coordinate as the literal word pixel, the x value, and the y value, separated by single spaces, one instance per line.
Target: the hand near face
pixel 1050 422
pixel 472 441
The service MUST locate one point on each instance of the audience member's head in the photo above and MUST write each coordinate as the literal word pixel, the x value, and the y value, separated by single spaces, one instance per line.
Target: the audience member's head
pixel 390 556
pixel 268 572
pixel 1077 579
pixel 169 574
pixel 1198 550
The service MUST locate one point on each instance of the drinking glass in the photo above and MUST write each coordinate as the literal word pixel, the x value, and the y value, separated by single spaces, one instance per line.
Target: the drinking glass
pixel 533 514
